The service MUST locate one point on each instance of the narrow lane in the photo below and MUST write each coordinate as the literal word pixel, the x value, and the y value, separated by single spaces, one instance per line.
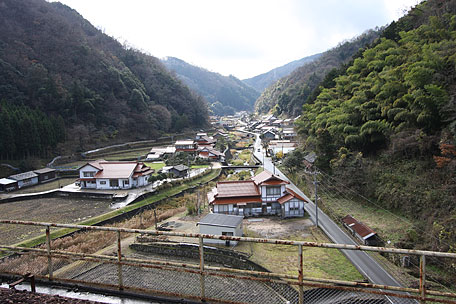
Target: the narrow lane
pixel 365 264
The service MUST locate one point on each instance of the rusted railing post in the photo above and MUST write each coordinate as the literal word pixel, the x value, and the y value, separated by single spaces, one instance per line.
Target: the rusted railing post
pixel 201 254
pixel 48 248
pixel 423 278
pixel 119 259
pixel 300 277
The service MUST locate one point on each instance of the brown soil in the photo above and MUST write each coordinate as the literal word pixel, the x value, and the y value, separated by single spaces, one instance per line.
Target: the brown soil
pixel 57 210
pixel 277 228
pixel 19 297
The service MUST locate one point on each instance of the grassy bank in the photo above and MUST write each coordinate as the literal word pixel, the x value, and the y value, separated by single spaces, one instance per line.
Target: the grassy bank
pixel 317 262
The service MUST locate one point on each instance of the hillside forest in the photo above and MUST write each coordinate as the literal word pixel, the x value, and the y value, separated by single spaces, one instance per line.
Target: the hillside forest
pixel 384 126
pixel 286 96
pixel 55 64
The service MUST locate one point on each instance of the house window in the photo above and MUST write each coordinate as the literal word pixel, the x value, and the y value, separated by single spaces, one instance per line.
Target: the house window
pixel 126 182
pixel 114 182
pixel 271 191
pixel 223 208
pixel 102 182
pixel 89 174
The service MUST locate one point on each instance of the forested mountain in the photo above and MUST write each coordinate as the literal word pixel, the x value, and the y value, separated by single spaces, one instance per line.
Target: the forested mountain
pixel 55 62
pixel 385 125
pixel 225 94
pixel 262 81
pixel 289 93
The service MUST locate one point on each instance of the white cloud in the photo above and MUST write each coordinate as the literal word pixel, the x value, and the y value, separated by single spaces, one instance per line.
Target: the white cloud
pixel 239 37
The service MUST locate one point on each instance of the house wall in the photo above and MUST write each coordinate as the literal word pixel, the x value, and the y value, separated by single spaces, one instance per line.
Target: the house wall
pixel 8 187
pixel 27 182
pixel 141 181
pixel 104 183
pixel 293 208
pixel 46 176
pixel 218 230
pixel 87 169
pixel 225 209
pixel 270 198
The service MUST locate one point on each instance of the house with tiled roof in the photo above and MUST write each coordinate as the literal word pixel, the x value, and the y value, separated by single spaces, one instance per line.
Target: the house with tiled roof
pixel 204 140
pixel 365 234
pixel 186 146
pixel 103 174
pixel 211 154
pixel 264 194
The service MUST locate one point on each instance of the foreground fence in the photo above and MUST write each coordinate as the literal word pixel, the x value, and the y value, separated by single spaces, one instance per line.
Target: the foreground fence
pixel 120 269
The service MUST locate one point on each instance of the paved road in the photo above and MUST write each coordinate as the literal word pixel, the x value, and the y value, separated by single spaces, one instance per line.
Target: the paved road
pixel 365 264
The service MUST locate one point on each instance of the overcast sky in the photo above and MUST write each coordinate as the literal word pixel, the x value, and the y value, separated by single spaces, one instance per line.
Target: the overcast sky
pixel 239 37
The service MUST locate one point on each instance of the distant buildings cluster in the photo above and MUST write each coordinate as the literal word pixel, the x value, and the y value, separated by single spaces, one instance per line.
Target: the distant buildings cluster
pixel 203 146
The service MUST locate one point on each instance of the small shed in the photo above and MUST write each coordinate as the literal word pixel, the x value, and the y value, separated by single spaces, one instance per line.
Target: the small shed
pixel 221 224
pixel 179 171
pixel 365 234
pixel 7 184
pixel 25 179
pixel 45 174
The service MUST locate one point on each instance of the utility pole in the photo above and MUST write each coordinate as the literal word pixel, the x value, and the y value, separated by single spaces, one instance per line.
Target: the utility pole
pixel 263 159
pixel 316 197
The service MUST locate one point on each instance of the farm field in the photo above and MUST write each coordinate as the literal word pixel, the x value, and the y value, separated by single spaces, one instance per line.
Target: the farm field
pixel 58 210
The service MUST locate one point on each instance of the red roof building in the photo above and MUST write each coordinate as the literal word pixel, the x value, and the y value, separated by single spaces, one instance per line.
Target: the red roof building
pixel 103 174
pixel 264 194
pixel 365 234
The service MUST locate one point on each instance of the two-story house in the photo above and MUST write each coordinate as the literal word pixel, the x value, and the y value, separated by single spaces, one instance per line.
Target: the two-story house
pixel 103 174
pixel 264 194
pixel 186 146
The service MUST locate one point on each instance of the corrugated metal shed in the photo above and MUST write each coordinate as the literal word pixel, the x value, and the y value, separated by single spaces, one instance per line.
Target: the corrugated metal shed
pixel 22 176
pixel 222 220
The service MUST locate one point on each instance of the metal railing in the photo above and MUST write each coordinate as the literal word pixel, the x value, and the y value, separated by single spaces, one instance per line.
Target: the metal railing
pixel 203 282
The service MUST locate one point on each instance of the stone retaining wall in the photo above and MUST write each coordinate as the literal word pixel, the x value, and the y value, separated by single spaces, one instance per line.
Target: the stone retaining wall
pixel 211 254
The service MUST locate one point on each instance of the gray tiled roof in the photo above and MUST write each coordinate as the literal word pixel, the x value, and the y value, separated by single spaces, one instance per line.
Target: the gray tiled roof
pixel 181 167
pixel 216 219
pixel 22 176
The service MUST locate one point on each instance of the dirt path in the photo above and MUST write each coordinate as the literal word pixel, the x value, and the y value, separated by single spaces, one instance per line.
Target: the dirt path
pixel 276 228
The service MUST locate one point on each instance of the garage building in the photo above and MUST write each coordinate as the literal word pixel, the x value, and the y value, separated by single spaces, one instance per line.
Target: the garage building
pixel 221 224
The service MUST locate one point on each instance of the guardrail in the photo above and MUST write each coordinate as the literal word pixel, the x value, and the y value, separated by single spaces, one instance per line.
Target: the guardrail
pixel 222 284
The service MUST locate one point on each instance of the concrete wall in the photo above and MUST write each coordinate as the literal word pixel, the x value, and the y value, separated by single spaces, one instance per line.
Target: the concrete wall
pixel 218 230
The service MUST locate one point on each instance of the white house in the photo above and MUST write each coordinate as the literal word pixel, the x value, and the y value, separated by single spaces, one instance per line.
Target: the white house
pixel 264 194
pixel 221 224
pixel 103 174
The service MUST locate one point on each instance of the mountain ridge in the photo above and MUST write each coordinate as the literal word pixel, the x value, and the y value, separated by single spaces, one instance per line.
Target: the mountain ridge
pixel 225 94
pixel 264 80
